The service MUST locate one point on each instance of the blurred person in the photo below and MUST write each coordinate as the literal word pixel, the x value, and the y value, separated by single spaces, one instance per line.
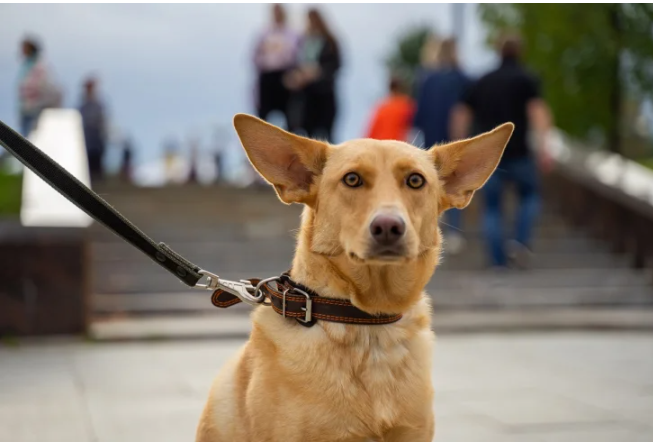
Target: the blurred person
pixel 314 80
pixel 275 54
pixel 218 158
pixel 441 89
pixel 193 158
pixel 95 127
pixel 509 93
pixel 392 118
pixel 36 90
pixel 428 60
pixel 220 137
pixel 171 160
pixel 126 165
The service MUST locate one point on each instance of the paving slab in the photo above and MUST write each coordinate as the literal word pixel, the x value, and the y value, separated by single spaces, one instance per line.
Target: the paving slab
pixel 565 386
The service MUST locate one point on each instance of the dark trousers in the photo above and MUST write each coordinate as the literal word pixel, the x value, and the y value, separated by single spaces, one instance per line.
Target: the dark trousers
pixel 95 164
pixel 273 95
pixel 319 115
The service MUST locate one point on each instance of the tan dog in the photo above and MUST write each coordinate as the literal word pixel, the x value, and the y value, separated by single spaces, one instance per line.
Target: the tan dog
pixel 368 234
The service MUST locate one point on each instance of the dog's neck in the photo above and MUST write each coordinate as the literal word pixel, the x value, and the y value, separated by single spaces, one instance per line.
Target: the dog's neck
pixel 373 288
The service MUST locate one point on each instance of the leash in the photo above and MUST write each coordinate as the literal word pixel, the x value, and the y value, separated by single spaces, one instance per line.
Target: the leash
pixel 286 297
pixel 88 201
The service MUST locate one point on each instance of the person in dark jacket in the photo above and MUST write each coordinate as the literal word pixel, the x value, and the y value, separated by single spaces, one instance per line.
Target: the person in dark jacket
pixel 509 93
pixel 442 88
pixel 95 131
pixel 315 79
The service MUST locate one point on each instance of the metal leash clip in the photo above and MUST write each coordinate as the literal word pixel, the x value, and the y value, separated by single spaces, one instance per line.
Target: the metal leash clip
pixel 243 290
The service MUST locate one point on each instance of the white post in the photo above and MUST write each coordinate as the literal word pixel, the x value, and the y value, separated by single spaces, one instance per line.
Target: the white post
pixel 60 135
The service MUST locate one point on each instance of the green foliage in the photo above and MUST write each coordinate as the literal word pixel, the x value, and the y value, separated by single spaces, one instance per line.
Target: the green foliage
pixel 404 61
pixel 591 58
pixel 647 163
pixel 10 193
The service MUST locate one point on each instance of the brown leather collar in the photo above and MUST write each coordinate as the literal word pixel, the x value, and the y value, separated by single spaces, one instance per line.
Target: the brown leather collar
pixel 293 300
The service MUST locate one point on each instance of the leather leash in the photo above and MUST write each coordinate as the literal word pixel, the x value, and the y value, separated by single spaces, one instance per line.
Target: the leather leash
pixel 286 297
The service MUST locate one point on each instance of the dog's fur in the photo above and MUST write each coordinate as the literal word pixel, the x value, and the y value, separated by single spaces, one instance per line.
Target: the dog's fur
pixel 337 382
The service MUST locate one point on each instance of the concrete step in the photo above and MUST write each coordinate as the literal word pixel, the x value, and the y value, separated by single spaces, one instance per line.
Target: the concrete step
pixel 267 228
pixel 231 325
pixel 149 304
pixel 210 213
pixel 234 231
pixel 228 260
pixel 544 261
pixel 547 279
pixel 182 226
pixel 461 280
pixel 153 279
pixel 131 275
pixel 448 290
pixel 207 212
pixel 167 327
pixel 118 250
pixel 506 298
pixel 200 207
pixel 273 228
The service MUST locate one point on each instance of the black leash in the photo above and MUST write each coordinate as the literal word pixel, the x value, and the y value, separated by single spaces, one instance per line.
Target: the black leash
pixel 96 207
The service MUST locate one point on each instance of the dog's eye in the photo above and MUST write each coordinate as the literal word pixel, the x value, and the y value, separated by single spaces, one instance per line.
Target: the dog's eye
pixel 415 181
pixel 352 180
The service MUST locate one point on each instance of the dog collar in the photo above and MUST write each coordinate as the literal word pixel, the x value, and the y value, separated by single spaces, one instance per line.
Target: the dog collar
pixel 293 300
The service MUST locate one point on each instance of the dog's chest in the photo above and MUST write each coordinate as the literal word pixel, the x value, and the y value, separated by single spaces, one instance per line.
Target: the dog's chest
pixel 372 383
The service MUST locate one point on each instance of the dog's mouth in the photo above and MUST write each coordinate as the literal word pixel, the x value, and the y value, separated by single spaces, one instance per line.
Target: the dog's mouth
pixel 385 256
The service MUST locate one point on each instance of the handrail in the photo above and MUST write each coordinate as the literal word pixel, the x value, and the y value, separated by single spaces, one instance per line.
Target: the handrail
pixel 607 194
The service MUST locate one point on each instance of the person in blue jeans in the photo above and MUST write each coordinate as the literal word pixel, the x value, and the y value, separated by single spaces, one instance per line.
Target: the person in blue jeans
pixel 439 91
pixel 509 94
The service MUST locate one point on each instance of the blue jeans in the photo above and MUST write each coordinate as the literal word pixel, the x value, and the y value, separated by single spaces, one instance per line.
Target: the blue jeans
pixel 524 174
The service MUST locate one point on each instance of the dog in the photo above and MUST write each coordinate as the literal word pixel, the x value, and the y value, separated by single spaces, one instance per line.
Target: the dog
pixel 368 235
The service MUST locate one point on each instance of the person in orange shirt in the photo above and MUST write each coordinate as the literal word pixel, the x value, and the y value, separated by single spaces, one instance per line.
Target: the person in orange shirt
pixel 392 119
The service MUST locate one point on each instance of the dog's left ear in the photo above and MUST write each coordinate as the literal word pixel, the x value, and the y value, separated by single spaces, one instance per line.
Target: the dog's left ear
pixel 466 165
pixel 289 162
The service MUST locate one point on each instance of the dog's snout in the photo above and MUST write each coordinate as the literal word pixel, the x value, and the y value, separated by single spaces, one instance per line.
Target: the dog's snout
pixel 387 229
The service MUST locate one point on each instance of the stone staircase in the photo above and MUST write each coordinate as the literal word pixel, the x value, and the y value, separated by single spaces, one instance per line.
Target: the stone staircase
pixel 242 233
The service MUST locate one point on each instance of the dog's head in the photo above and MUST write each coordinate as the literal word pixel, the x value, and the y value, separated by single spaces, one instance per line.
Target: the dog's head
pixel 377 202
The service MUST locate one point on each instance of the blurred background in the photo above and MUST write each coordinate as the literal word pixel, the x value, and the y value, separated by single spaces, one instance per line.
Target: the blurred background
pixel 542 302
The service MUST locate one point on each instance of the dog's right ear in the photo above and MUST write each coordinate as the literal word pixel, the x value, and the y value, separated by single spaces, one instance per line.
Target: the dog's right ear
pixel 289 162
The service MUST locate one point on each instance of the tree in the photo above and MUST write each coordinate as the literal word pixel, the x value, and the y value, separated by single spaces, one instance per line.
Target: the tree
pixel 405 60
pixel 591 59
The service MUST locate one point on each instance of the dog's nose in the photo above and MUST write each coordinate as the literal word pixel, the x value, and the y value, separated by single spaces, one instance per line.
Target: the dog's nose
pixel 387 229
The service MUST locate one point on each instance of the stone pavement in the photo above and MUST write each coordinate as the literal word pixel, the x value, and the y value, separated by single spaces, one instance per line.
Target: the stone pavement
pixel 507 387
